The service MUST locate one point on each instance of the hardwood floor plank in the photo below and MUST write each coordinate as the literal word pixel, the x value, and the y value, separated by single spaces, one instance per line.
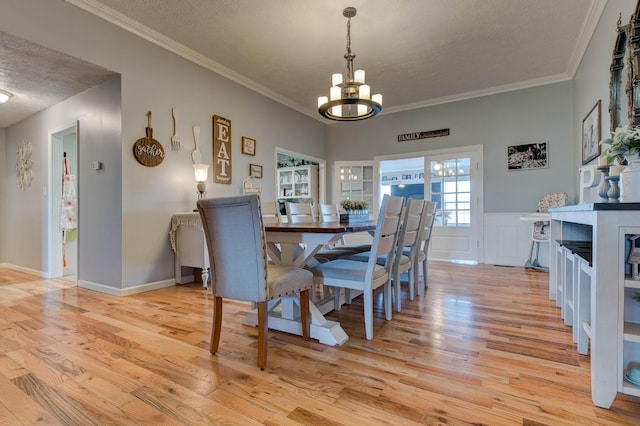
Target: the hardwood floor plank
pixel 483 346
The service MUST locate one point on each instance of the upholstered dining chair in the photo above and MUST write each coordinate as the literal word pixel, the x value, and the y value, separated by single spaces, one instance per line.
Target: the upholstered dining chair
pixel 367 276
pixel 270 212
pixel 299 212
pixel 540 229
pixel 235 237
pixel 422 251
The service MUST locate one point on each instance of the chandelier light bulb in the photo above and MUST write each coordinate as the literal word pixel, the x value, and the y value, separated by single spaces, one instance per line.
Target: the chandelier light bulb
pixel 365 92
pixel 336 79
pixel 358 76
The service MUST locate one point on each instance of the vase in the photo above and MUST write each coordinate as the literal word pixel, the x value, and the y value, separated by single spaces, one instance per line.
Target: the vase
pixel 630 183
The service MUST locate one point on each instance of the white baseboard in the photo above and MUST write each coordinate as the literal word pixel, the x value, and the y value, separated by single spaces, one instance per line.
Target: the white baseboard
pixel 121 292
pixel 40 274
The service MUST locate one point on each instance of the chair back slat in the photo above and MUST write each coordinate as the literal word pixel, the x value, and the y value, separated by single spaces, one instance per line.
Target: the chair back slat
pixel 270 212
pixel 300 212
pixel 329 213
pixel 386 234
pixel 236 242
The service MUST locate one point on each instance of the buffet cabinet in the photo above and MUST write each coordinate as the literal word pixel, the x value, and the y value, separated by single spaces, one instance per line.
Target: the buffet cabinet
pixel 599 297
pixel 298 182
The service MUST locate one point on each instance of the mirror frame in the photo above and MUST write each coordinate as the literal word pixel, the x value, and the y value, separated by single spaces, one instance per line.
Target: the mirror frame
pixel 620 49
pixel 634 59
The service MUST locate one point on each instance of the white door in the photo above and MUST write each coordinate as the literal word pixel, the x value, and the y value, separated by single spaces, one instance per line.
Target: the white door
pixel 454 181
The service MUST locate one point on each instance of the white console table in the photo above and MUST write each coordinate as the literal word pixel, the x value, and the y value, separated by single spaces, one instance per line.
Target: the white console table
pixel 613 322
pixel 189 244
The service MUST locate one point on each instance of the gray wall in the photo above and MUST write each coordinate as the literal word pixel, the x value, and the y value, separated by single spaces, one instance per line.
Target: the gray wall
pixel 26 235
pixel 4 176
pixel 540 114
pixel 591 82
pixel 153 79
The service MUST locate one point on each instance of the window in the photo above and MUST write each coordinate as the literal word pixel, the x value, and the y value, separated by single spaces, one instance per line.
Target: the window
pixel 451 189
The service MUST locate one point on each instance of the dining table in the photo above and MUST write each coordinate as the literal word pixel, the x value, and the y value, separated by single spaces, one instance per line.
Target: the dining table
pixel 296 244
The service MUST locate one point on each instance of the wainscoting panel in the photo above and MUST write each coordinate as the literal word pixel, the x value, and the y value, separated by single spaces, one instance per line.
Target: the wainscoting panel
pixel 507 240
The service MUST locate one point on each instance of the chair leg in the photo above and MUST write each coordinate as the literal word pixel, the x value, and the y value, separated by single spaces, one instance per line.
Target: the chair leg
pixel 387 300
pixel 425 275
pixel 396 288
pixel 412 284
pixel 305 318
pixel 262 335
pixel 217 324
pixel 368 314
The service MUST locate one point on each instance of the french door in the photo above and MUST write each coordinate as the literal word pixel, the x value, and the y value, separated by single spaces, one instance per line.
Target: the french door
pixel 454 182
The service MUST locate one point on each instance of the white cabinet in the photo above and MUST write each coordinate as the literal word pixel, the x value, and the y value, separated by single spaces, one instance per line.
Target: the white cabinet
pixel 357 180
pixel 609 315
pixel 298 182
pixel 629 356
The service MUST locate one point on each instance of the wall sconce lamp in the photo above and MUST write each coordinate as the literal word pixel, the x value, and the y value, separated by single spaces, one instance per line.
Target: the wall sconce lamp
pixel 201 171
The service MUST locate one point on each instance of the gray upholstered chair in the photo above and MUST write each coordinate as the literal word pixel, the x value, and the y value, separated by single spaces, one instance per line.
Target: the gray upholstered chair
pixel 367 276
pixel 300 212
pixel 235 237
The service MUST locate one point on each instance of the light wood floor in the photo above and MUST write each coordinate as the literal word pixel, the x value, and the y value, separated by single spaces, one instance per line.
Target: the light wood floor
pixel 484 346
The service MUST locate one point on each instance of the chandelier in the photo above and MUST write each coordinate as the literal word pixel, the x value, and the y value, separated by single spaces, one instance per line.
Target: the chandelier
pixel 349 100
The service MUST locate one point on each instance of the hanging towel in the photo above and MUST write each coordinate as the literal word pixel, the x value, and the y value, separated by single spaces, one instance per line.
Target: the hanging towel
pixel 68 219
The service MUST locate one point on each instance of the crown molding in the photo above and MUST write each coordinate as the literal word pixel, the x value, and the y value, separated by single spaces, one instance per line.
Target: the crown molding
pixel 595 10
pixel 179 49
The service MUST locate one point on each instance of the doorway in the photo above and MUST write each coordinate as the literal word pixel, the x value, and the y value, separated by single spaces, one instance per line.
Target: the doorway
pixel 453 179
pixel 63 190
pixel 285 158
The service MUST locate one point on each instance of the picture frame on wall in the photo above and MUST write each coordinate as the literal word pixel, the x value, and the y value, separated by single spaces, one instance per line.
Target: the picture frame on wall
pixel 255 170
pixel 591 134
pixel 248 146
pixel 528 156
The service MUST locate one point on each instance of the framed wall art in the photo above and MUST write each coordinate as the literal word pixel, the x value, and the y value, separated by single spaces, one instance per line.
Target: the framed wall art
pixel 255 170
pixel 591 134
pixel 248 146
pixel 528 156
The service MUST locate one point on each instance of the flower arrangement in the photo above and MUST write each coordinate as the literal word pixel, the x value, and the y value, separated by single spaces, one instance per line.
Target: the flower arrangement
pixel 625 141
pixel 351 205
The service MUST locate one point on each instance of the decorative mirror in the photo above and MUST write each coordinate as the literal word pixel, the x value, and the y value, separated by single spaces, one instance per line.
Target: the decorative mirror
pixel 634 59
pixel 620 109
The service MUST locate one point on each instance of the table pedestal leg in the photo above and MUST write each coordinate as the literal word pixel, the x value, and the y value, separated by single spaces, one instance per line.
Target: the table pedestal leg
pixel 327 332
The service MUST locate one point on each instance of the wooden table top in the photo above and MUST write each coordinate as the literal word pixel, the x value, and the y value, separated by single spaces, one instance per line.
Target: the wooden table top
pixel 321 227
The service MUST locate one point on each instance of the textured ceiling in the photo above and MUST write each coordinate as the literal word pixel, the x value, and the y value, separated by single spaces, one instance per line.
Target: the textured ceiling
pixel 39 78
pixel 415 52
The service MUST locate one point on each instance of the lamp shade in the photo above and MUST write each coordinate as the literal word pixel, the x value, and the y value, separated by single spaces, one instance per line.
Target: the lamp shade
pixel 201 171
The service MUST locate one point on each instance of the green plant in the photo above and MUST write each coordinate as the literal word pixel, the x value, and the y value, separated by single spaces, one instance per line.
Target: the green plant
pixel 349 205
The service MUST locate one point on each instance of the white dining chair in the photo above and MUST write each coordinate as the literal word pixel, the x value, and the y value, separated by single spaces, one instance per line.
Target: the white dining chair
pixel 367 276
pixel 300 212
pixel 421 254
pixel 270 212
pixel 329 212
pixel 236 243
pixel 403 259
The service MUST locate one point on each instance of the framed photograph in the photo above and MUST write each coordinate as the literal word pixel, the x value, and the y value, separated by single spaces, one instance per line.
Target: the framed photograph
pixel 255 170
pixel 591 134
pixel 248 146
pixel 528 156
